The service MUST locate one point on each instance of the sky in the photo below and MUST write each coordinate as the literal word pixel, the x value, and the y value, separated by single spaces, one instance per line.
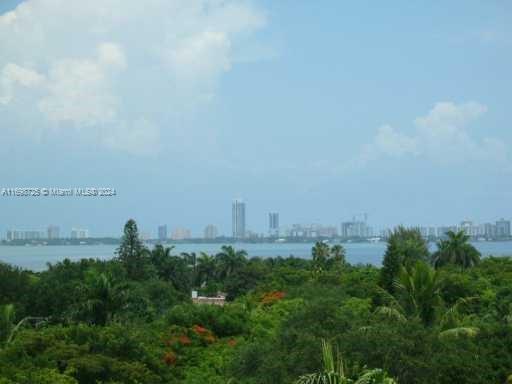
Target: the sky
pixel 317 110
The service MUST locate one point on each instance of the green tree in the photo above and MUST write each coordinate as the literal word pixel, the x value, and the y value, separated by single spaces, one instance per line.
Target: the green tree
pixel 190 258
pixel 171 268
pixel 205 269
pixel 320 253
pixel 7 317
pixel 334 372
pixel 228 260
pixel 456 250
pixel 405 247
pixel 132 252
pixel 160 257
pixel 103 297
pixel 419 287
pixel 338 254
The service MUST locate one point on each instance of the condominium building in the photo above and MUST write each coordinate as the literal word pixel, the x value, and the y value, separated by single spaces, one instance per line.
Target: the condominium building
pixel 238 219
pixel 210 232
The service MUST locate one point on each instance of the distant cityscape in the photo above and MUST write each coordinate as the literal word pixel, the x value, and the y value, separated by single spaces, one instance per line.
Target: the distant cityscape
pixel 356 229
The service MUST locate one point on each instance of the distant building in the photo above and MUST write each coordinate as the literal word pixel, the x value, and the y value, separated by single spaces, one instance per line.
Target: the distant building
pixel 181 234
pixel 468 228
pixel 385 233
pixel 79 233
pixel 311 231
pixel 144 236
pixel 53 232
pixel 210 232
pixel 15 235
pixel 357 229
pixel 24 235
pixel 273 224
pixel 442 231
pixel 162 232
pixel 238 219
pixel 503 228
pixel 488 230
pixel 220 299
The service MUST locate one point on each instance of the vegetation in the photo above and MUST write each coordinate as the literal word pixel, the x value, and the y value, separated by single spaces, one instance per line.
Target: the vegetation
pixel 421 318
pixel 456 250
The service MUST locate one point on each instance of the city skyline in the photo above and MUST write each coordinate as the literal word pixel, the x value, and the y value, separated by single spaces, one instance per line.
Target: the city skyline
pixel 357 227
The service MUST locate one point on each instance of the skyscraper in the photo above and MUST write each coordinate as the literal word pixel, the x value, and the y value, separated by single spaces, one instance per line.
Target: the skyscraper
pixel 181 234
pixel 79 233
pixel 503 228
pixel 53 232
pixel 210 232
pixel 162 232
pixel 273 224
pixel 238 216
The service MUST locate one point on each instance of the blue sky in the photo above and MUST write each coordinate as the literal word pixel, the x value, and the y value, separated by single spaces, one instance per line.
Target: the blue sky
pixel 317 110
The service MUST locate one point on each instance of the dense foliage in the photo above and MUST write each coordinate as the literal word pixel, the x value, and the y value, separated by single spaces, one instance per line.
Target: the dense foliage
pixel 131 319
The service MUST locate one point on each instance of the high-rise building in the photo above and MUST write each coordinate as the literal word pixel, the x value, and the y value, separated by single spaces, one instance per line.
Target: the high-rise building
pixel 355 229
pixel 468 228
pixel 79 233
pixel 53 232
pixel 238 219
pixel 181 234
pixel 273 224
pixel 311 231
pixel 15 235
pixel 442 231
pixel 162 232
pixel 489 230
pixel 210 232
pixel 503 228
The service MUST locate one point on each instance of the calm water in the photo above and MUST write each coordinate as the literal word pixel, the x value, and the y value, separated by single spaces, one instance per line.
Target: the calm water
pixel 36 257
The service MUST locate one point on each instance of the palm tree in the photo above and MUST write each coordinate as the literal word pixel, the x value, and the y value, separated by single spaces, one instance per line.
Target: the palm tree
pixel 6 321
pixel 419 296
pixel 420 289
pixel 190 258
pixel 338 255
pixel 205 269
pixel 320 253
pixel 229 260
pixel 456 250
pixel 160 257
pixel 334 372
pixel 102 297
pixel 8 328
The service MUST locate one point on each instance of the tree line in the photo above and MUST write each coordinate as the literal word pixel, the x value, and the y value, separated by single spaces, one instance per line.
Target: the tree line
pixel 441 317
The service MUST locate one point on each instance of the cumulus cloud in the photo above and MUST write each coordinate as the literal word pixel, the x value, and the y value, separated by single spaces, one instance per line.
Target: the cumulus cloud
pixel 442 136
pixel 114 70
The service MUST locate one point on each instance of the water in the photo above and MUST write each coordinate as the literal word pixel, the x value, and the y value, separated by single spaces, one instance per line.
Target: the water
pixel 36 257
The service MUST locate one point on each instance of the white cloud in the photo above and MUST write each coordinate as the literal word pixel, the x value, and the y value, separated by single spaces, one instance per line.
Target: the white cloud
pixel 393 143
pixel 14 76
pixel 80 90
pixel 441 136
pixel 140 137
pixel 115 70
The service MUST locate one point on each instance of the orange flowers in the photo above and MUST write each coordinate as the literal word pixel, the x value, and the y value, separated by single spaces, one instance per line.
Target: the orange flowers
pixel 184 340
pixel 270 298
pixel 199 330
pixel 170 358
pixel 204 334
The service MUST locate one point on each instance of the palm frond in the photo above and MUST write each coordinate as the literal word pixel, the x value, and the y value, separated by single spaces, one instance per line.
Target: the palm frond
pixel 375 376
pixel 391 313
pixel 459 332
